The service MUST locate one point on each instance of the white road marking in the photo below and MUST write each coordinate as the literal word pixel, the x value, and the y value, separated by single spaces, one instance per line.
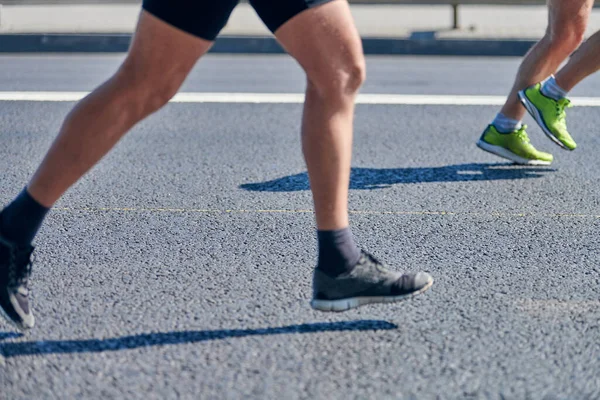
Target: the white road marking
pixel 296 98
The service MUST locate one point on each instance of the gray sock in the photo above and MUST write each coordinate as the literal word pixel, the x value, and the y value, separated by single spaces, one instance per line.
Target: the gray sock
pixel 551 89
pixel 21 220
pixel 337 251
pixel 505 124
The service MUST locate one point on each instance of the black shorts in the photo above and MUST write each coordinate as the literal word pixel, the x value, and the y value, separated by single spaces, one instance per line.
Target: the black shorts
pixel 206 18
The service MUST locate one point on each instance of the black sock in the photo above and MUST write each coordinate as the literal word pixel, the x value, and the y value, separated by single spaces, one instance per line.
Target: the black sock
pixel 337 251
pixel 21 220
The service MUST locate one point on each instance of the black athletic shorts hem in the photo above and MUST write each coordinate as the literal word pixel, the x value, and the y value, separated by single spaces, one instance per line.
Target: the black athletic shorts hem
pixel 206 18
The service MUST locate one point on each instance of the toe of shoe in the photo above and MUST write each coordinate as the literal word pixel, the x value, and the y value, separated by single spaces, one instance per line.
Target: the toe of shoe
pixel 422 279
pixel 27 323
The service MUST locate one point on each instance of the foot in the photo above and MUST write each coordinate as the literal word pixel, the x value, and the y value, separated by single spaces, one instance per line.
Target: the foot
pixel 549 114
pixel 514 146
pixel 367 283
pixel 15 270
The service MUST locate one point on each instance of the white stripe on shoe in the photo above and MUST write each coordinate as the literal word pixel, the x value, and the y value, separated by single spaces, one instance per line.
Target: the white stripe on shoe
pixel 509 155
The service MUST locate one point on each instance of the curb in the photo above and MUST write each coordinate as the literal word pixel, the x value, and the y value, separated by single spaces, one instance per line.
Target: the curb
pixel 112 43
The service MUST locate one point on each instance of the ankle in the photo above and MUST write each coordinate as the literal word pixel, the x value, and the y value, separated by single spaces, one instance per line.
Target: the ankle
pixel 21 220
pixel 338 252
pixel 505 124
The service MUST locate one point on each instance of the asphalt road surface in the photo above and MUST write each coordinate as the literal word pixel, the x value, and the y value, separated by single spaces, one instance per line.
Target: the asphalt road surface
pixel 180 267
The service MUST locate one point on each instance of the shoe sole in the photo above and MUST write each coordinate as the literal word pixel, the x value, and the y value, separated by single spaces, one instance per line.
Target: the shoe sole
pixel 504 153
pixel 354 302
pixel 533 111
pixel 21 328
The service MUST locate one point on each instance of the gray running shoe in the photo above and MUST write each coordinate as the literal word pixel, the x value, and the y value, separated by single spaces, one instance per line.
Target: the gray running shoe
pixel 368 282
pixel 15 269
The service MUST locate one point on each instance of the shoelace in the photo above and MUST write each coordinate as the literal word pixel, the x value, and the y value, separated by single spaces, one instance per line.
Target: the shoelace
pixel 521 134
pixel 19 267
pixel 370 258
pixel 374 262
pixel 560 110
pixel 403 282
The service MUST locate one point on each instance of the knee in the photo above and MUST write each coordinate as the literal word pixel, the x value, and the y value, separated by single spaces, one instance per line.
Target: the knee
pixel 157 96
pixel 144 94
pixel 353 76
pixel 566 38
pixel 338 82
pixel 149 97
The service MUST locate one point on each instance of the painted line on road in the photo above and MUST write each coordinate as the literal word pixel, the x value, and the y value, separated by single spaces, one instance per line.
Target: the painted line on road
pixel 306 211
pixel 296 98
pixel 556 307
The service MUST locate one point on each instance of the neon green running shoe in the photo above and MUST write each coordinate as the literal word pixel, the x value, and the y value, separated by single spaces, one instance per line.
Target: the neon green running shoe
pixel 549 114
pixel 514 146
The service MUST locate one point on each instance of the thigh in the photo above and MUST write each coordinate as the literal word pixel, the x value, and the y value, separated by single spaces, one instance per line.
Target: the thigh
pixel 568 13
pixel 323 39
pixel 201 18
pixel 275 13
pixel 160 53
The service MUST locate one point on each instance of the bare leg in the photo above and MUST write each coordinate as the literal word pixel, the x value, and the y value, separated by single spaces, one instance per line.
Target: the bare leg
pixel 567 21
pixel 335 70
pixel 582 64
pixel 158 62
pixel 328 47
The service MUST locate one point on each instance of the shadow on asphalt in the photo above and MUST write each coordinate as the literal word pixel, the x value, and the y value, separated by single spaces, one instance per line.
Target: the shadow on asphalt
pixel 9 335
pixel 174 338
pixel 380 178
